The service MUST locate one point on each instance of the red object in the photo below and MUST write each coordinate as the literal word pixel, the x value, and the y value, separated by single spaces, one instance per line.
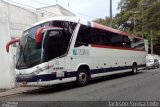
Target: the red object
pixel 111 47
pixel 106 28
pixel 10 43
pixel 39 32
pixel 38 36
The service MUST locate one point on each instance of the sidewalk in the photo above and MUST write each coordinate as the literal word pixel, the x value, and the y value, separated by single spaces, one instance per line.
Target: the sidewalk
pixel 17 90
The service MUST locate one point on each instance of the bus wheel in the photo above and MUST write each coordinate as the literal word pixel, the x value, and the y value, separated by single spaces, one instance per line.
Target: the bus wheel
pixel 134 69
pixel 82 77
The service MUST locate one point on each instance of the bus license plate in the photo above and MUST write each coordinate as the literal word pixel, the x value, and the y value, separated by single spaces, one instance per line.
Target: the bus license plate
pixel 60 74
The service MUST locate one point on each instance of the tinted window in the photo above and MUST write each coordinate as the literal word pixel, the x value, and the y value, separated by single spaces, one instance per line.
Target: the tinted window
pixel 68 27
pixel 57 42
pixel 137 43
pixel 88 35
pixel 116 40
pixel 33 30
pixel 83 37
pixel 126 42
pixel 100 37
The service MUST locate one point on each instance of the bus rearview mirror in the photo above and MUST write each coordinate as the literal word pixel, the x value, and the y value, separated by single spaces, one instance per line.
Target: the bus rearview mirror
pixel 40 31
pixel 11 43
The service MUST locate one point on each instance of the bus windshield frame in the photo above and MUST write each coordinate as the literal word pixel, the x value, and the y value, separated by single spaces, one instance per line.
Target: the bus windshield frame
pixel 55 43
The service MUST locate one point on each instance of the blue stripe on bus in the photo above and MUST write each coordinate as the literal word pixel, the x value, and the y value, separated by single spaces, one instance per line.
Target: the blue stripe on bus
pixel 50 77
pixel 45 77
pixel 112 69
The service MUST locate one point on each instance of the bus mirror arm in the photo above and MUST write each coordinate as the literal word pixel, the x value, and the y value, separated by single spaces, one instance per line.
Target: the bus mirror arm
pixel 10 43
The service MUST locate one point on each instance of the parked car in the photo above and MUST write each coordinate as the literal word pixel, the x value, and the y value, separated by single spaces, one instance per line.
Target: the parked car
pixel 151 62
pixel 156 63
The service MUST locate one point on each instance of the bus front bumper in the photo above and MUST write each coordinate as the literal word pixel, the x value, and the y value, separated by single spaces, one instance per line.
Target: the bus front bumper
pixel 45 79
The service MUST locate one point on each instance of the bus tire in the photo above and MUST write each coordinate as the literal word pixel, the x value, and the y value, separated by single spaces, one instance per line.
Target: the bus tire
pixel 134 68
pixel 82 77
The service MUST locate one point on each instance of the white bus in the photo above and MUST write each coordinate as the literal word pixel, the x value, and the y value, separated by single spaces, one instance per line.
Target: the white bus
pixel 67 49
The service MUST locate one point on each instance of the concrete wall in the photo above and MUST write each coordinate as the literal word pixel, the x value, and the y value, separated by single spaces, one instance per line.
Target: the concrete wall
pixel 52 11
pixel 20 19
pixel 44 13
pixel 7 74
pixel 13 21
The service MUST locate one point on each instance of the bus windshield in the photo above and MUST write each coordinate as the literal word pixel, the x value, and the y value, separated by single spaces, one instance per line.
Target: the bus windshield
pixel 55 44
pixel 29 54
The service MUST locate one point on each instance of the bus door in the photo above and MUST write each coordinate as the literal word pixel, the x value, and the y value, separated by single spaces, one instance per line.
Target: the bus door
pixel 53 50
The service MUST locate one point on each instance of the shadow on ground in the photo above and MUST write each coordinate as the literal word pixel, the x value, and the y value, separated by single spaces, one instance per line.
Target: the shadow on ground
pixel 70 86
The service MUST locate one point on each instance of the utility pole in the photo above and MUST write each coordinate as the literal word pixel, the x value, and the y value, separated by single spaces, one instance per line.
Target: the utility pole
pixel 136 12
pixel 151 42
pixel 134 23
pixel 68 4
pixel 110 13
pixel 142 22
pixel 56 1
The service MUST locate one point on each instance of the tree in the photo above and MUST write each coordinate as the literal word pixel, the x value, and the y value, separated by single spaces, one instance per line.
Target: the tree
pixel 102 21
pixel 147 17
pixel 106 22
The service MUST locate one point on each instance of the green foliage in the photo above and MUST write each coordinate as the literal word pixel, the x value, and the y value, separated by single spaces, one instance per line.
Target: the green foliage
pixel 105 21
pixel 147 17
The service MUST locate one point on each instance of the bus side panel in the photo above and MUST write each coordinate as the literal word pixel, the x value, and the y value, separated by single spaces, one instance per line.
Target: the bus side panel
pixel 81 56
pixel 106 61
pixel 112 61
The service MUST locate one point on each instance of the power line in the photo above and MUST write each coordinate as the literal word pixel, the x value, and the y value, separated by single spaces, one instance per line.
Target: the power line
pixel 30 7
pixel 40 2
pixel 45 10
pixel 21 4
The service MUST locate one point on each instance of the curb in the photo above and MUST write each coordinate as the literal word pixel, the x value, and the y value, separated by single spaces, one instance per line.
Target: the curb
pixel 17 90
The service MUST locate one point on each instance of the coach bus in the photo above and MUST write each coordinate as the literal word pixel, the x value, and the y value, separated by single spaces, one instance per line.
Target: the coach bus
pixel 68 49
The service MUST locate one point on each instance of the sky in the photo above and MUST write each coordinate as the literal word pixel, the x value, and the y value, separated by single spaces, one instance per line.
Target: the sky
pixel 86 9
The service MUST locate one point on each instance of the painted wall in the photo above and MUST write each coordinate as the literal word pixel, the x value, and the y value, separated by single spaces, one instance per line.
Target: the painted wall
pixel 13 20
pixel 6 67
pixel 52 11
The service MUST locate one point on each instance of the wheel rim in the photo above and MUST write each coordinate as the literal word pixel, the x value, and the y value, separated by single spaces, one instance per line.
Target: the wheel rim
pixel 82 77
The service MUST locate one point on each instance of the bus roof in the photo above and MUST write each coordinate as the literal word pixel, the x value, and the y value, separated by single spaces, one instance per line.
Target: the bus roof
pixel 106 28
pixel 84 22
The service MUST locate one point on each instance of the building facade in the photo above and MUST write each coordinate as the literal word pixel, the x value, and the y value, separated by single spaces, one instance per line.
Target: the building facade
pixel 51 11
pixel 13 21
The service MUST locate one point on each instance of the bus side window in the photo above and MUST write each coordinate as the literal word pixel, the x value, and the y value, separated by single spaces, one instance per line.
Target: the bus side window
pixel 83 37
pixel 99 37
pixel 88 35
pixel 138 44
pixel 116 40
pixel 126 42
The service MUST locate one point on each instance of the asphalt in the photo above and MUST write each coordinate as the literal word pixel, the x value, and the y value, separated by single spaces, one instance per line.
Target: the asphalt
pixel 144 86
pixel 16 90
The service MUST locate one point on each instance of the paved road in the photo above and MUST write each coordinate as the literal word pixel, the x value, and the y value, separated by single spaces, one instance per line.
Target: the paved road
pixel 143 86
